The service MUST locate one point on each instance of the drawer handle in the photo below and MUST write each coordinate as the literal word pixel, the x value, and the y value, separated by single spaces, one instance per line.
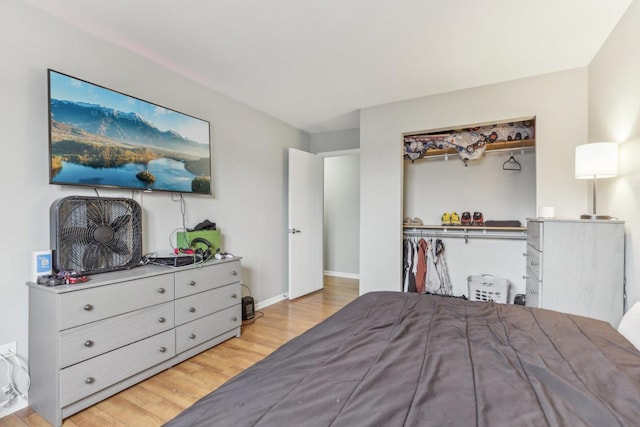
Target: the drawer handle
pixel 163 349
pixel 161 290
pixel 162 320
pixel 192 309
pixel 192 283
pixel 89 380
pixel 234 273
pixel 234 296
pixel 192 336
pixel 234 319
pixel 88 343
pixel 88 307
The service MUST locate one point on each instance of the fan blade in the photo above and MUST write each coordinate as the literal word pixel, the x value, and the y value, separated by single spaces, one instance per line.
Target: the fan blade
pixel 95 213
pixel 90 257
pixel 119 247
pixel 120 222
pixel 75 234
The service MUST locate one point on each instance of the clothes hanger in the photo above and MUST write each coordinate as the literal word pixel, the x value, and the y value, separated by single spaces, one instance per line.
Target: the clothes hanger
pixel 512 164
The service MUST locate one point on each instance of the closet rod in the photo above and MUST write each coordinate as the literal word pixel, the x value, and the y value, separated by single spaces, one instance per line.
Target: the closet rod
pixel 499 150
pixel 466 235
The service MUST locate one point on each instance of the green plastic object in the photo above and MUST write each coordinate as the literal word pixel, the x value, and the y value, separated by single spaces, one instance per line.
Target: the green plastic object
pixel 184 239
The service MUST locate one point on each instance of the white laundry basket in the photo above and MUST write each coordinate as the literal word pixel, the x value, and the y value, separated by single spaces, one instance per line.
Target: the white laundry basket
pixel 487 287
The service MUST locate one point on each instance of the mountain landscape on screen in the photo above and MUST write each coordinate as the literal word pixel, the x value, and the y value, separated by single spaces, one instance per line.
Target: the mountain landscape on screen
pixel 96 145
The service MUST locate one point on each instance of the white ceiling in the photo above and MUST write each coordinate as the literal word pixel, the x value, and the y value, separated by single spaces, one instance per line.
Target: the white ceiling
pixel 315 63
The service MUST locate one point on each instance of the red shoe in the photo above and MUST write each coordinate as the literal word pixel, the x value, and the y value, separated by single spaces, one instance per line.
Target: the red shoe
pixel 477 219
pixel 466 218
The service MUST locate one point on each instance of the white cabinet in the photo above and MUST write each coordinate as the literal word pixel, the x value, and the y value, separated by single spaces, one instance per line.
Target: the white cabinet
pixel 577 267
pixel 89 341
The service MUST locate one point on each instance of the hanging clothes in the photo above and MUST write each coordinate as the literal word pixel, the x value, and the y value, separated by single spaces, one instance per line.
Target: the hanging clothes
pixel 424 267
pixel 409 280
pixel 421 268
pixel 433 278
pixel 438 281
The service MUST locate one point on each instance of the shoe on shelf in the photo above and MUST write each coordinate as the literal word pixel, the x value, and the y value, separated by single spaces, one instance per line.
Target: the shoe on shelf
pixel 466 218
pixel 446 219
pixel 406 221
pixel 455 218
pixel 416 221
pixel 478 220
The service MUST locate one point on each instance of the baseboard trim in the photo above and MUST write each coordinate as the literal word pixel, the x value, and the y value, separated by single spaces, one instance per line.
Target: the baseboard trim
pixel 339 274
pixel 270 301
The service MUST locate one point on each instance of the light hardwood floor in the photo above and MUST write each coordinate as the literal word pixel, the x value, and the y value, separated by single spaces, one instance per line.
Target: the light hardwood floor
pixel 161 397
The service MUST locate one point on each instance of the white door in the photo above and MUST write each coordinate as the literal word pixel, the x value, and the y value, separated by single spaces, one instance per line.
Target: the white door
pixel 305 222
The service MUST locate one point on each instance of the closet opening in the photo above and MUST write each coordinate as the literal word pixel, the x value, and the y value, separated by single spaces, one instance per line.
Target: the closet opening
pixel 472 188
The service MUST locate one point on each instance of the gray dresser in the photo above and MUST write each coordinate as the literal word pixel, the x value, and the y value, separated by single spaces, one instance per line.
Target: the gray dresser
pixel 90 341
pixel 577 267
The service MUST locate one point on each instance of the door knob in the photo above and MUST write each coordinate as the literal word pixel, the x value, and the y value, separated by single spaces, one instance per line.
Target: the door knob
pixel 294 231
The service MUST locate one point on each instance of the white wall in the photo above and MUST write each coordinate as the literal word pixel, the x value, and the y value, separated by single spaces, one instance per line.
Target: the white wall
pixel 249 158
pixel 614 115
pixel 559 103
pixel 346 139
pixel 434 186
pixel 342 215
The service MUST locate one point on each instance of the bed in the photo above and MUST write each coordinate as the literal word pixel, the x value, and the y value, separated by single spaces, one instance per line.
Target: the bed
pixel 394 359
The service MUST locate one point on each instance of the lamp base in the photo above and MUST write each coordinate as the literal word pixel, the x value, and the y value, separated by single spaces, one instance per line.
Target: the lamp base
pixel 594 216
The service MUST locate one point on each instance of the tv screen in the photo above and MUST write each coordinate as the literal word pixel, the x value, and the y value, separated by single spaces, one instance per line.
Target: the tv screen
pixel 102 138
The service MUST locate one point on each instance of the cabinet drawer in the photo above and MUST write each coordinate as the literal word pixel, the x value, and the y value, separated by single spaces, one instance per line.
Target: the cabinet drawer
pixel 194 333
pixel 534 262
pixel 533 290
pixel 210 276
pixel 93 375
pixel 89 305
pixel 205 303
pixel 534 234
pixel 86 341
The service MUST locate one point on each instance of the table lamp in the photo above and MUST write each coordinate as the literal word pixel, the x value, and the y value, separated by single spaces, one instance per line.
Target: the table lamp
pixel 593 161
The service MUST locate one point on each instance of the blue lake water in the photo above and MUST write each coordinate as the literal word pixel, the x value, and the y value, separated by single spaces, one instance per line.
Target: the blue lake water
pixel 170 175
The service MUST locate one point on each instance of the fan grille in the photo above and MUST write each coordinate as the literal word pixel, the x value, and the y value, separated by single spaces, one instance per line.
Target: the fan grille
pixel 94 234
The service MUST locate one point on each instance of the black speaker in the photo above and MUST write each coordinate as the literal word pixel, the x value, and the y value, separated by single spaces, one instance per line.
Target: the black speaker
pixel 248 308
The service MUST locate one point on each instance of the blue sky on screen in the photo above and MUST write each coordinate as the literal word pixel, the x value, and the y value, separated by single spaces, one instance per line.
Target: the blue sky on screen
pixel 71 89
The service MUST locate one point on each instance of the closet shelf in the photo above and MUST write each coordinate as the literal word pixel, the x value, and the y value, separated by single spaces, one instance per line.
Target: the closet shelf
pixel 500 145
pixel 466 232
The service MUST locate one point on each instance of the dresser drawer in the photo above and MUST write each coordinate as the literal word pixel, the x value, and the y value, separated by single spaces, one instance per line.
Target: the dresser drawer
pixel 534 234
pixel 83 379
pixel 86 341
pixel 207 277
pixel 92 304
pixel 534 262
pixel 533 290
pixel 194 333
pixel 205 303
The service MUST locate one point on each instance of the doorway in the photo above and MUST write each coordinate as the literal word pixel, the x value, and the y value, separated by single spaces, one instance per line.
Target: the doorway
pixel 341 228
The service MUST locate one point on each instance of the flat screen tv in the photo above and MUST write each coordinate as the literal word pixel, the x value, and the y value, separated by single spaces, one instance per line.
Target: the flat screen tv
pixel 99 137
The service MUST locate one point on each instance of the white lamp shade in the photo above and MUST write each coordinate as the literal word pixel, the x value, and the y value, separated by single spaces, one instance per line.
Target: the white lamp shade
pixel 597 160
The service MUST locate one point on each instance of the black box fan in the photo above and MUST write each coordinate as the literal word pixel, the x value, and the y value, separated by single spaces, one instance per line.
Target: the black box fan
pixel 95 234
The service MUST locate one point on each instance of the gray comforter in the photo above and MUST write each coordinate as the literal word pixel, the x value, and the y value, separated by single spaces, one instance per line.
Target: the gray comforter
pixel 394 359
